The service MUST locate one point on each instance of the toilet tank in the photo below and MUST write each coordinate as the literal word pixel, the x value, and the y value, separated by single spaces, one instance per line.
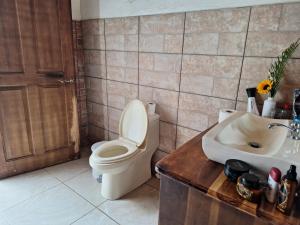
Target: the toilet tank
pixel 152 139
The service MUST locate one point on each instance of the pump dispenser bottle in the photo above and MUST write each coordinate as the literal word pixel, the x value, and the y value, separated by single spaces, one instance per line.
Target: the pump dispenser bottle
pixel 287 190
pixel 252 107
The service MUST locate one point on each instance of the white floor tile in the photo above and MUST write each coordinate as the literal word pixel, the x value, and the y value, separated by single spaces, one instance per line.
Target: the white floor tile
pixel 85 185
pixel 139 207
pixel 57 206
pixel 19 188
pixel 69 170
pixel 96 217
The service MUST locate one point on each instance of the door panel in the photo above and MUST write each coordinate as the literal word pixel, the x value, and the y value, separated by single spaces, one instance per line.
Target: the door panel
pixel 38 111
pixel 10 59
pixel 54 116
pixel 48 41
pixel 14 121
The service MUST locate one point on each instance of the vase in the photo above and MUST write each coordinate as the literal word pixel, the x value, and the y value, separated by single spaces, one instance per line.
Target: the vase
pixel 269 108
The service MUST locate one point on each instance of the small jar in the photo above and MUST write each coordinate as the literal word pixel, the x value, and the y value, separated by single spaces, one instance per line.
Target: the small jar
pixel 249 188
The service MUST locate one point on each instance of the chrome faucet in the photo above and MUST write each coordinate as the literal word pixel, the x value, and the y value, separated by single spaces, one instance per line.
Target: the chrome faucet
pixel 294 129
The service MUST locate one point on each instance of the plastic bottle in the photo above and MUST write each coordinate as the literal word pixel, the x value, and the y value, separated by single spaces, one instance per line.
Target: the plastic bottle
pixel 273 182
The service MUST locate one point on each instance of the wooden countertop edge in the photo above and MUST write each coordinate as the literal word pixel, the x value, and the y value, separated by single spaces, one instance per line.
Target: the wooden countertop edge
pixel 170 170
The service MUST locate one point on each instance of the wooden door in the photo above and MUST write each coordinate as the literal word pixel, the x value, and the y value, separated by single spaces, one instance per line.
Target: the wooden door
pixel 38 112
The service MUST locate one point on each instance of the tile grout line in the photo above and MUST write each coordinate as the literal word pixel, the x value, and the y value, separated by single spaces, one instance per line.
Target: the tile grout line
pixel 82 216
pixel 243 58
pixel 138 52
pixel 170 123
pixel 164 89
pixel 106 214
pixel 191 54
pixel 106 83
pixel 54 186
pixel 180 75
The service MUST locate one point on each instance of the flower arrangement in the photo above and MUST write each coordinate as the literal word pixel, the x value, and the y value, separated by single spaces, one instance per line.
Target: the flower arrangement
pixel 270 86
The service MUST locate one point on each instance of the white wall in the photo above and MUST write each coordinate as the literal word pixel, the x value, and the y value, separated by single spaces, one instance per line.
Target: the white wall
pixel 91 9
pixel 76 15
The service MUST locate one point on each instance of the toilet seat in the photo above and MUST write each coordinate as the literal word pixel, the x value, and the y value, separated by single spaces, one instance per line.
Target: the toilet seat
pixel 133 127
pixel 115 151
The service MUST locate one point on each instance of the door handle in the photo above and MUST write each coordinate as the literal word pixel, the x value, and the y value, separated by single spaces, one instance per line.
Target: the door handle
pixel 70 81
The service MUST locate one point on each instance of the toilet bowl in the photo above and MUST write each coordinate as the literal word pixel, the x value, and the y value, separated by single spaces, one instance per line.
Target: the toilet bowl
pixel 125 163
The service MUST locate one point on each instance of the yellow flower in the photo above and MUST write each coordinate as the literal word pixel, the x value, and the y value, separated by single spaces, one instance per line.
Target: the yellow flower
pixel 264 87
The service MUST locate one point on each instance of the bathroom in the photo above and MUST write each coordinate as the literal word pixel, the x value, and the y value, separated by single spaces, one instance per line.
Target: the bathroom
pixel 97 67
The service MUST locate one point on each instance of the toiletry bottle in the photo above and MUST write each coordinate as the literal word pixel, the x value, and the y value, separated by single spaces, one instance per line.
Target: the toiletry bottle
pixel 252 107
pixel 287 190
pixel 273 183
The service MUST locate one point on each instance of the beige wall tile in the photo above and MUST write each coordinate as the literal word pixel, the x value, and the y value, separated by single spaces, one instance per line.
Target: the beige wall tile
pixel 93 27
pixel 167 136
pixel 167 43
pixel 95 63
pixel 160 70
pixel 211 75
pixel 270 44
pixel 122 66
pixel 198 112
pixel 114 118
pixel 241 106
pixel 97 133
pixel 224 20
pixel 125 25
pixel 201 43
pixel 231 43
pixel 151 42
pixel 168 23
pixel 167 102
pixel 97 115
pixel 119 94
pixel 122 42
pixel 216 66
pixel 197 84
pixel 112 136
pixel 256 68
pixel 96 90
pixel 93 34
pixel 95 70
pixel 122 34
pixel 290 17
pixel 265 18
pixel 93 42
pixel 94 57
pixel 161 33
pixel 184 135
pixel 225 88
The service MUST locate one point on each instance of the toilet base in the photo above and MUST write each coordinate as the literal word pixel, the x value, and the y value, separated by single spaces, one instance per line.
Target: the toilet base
pixel 117 185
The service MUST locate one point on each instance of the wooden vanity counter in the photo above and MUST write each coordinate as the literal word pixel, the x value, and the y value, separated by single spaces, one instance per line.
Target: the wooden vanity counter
pixel 195 191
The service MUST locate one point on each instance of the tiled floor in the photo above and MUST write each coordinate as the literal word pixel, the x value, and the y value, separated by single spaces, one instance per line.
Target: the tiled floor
pixel 68 194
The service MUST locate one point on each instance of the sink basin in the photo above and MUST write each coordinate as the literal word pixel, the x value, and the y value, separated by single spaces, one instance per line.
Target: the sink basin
pixel 246 137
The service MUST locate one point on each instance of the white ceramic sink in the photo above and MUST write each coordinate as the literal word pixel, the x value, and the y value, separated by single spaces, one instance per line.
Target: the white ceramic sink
pixel 232 139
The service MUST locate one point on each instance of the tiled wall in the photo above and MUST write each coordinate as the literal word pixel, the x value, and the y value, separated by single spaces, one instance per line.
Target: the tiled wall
pixel 80 83
pixel 191 64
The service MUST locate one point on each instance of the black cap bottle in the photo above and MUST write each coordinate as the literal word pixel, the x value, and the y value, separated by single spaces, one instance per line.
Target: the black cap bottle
pixel 287 190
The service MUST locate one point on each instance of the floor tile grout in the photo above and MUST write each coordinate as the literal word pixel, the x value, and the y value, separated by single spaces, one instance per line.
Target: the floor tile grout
pixel 54 186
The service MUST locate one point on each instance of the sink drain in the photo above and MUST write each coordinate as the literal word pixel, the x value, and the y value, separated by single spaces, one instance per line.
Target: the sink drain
pixel 254 144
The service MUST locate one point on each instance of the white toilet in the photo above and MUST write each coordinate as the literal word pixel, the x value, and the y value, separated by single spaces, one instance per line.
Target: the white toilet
pixel 125 163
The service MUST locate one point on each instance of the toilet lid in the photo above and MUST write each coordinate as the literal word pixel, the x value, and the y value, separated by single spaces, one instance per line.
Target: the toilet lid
pixel 134 122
